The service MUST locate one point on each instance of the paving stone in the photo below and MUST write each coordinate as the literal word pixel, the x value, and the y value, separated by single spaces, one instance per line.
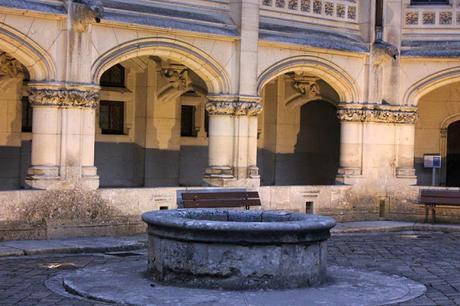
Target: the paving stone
pixel 430 258
pixel 9 251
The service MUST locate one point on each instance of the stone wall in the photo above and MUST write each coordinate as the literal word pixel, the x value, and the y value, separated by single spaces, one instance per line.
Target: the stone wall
pixel 345 203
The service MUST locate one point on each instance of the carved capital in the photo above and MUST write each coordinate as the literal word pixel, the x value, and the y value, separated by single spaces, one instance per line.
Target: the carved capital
pixel 67 97
pixel 377 113
pixel 234 106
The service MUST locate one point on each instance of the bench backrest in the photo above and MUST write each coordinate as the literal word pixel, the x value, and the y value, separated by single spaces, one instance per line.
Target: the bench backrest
pixel 433 196
pixel 220 199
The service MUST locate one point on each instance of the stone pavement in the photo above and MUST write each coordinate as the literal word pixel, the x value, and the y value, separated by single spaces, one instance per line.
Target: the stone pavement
pixel 73 245
pixel 126 243
pixel 432 258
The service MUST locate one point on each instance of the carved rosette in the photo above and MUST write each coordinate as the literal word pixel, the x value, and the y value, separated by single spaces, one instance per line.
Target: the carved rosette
pixel 234 106
pixel 64 97
pixel 377 113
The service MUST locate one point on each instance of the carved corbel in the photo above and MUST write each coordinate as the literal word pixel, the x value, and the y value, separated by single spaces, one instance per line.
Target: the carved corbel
pixel 305 85
pixel 10 67
pixel 83 12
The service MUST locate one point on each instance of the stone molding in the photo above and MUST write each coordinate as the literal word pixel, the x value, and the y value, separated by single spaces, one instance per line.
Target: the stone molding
pixel 377 113
pixel 67 96
pixel 405 173
pixel 234 105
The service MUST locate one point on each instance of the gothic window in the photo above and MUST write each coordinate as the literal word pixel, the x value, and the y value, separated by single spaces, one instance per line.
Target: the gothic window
pixel 26 115
pixel 111 117
pixel 187 124
pixel 415 2
pixel 114 77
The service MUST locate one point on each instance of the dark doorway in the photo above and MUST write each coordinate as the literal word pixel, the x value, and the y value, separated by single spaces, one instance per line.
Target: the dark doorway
pixel 316 156
pixel 453 155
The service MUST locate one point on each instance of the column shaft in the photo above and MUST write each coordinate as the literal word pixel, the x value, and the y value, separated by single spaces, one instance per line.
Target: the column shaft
pixel 63 136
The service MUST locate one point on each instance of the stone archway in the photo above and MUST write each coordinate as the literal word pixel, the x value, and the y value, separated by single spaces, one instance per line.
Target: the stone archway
pixel 35 59
pixel 160 83
pixel 20 59
pixel 299 141
pixel 335 76
pixel 208 69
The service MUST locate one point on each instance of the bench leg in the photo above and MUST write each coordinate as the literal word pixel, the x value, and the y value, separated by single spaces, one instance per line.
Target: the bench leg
pixel 433 213
pixel 427 213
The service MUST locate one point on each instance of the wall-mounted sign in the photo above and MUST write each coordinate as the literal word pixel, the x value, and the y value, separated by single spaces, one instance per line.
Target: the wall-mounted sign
pixel 432 161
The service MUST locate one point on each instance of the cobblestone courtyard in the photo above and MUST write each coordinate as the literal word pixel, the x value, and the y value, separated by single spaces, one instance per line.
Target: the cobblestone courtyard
pixel 430 258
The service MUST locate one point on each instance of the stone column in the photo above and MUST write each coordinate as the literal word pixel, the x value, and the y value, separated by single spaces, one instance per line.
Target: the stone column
pixel 232 141
pixel 406 154
pixel 63 136
pixel 351 150
pixel 396 125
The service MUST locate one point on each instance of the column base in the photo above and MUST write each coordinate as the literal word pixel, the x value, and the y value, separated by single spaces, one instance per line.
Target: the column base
pixel 223 177
pixel 348 176
pixel 407 174
pixel 48 178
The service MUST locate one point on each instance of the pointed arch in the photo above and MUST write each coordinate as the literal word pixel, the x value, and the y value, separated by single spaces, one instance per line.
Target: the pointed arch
pixel 38 62
pixel 207 68
pixel 426 85
pixel 335 76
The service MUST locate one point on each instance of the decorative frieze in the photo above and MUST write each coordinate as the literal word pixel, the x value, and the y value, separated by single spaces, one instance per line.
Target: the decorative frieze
pixel 434 16
pixel 411 18
pixel 234 106
pixel 377 113
pixel 292 4
pixel 305 5
pixel 10 67
pixel 429 18
pixel 352 12
pixel 64 97
pixel 317 6
pixel 445 18
pixel 341 10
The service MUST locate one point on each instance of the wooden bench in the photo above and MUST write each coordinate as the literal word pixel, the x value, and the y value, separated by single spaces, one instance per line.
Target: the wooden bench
pixel 221 199
pixel 432 198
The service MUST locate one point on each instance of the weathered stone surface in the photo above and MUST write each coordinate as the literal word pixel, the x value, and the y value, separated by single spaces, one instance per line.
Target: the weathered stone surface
pixel 128 286
pixel 231 249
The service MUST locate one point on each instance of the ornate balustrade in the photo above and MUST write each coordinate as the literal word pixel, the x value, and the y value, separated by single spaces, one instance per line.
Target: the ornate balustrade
pixel 432 16
pixel 341 10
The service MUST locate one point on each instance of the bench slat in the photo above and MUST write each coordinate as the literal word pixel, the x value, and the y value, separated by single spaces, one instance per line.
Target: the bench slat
pixel 440 193
pixel 215 203
pixel 440 201
pixel 220 195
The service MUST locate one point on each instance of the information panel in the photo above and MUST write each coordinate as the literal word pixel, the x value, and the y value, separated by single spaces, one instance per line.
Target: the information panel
pixel 432 161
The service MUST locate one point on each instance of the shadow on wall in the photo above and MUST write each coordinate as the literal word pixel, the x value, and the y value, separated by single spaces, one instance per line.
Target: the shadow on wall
pixel 130 165
pixel 316 156
pixel 14 162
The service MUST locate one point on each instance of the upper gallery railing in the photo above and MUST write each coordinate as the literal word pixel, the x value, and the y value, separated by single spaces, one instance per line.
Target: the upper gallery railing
pixel 432 16
pixel 340 10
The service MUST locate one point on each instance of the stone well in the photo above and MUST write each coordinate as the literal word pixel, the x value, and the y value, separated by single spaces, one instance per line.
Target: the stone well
pixel 232 249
